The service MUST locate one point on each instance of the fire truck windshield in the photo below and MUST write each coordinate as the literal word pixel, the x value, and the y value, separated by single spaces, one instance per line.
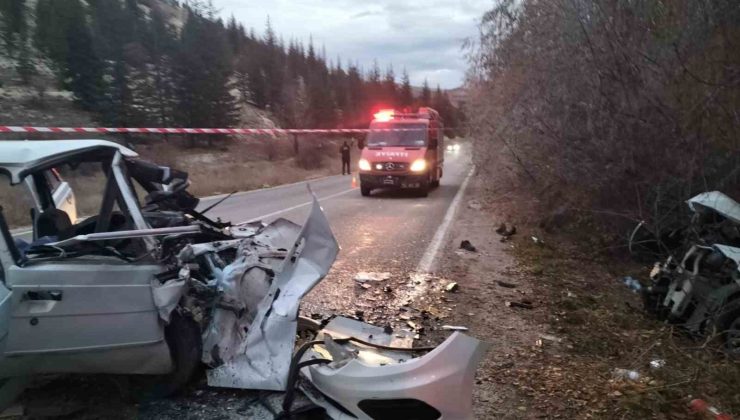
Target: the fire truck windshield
pixel 413 135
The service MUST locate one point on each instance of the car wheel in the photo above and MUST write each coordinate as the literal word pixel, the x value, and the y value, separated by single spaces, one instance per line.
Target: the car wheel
pixel 435 183
pixel 184 340
pixel 424 189
pixel 365 191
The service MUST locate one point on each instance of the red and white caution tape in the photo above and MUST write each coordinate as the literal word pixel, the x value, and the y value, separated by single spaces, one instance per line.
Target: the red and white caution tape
pixel 258 131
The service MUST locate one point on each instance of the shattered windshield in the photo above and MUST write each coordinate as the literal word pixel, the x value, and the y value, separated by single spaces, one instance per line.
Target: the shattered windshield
pixel 413 135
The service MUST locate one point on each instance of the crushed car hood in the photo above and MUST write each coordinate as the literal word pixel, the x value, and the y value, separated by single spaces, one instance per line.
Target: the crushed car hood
pixel 718 202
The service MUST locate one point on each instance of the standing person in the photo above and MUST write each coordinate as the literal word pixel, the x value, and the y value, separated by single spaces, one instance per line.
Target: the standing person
pixel 345 158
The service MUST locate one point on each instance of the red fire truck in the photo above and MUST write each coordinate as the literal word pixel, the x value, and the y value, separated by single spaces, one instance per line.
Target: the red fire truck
pixel 403 150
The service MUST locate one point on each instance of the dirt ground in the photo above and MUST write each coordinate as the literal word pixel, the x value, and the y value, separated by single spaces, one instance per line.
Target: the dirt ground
pixel 558 359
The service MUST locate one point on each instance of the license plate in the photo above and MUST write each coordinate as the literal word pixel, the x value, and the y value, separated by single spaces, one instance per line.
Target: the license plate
pixel 388 181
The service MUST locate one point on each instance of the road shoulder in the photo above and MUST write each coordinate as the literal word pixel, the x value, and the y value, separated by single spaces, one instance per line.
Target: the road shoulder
pixel 488 279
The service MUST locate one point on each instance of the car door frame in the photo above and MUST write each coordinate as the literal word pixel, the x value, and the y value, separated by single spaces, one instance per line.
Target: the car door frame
pixel 49 330
pixel 7 259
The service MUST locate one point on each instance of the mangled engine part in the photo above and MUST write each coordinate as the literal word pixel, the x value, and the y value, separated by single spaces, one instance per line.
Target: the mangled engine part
pixel 357 371
pixel 701 291
pixel 245 293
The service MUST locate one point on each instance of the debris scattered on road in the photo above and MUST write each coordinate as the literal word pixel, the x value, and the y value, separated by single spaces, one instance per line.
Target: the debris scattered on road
pixel 537 240
pixel 466 245
pixel 363 276
pixel 360 314
pixel 522 304
pixel 506 285
pixel 657 363
pixel 452 287
pixel 387 289
pixel 632 375
pixel 506 231
pixel 501 229
pixel 366 286
pixel 633 284
pixel 475 204
pixel 388 329
pixel 700 406
pixel 454 328
pixel 550 337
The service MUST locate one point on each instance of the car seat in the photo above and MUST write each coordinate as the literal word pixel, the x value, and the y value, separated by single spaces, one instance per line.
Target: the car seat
pixel 54 223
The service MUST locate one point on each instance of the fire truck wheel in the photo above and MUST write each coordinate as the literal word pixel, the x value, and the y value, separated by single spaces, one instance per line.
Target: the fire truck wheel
pixel 424 189
pixel 365 191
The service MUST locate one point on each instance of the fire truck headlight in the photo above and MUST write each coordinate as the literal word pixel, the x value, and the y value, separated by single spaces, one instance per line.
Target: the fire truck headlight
pixel 419 165
pixel 364 165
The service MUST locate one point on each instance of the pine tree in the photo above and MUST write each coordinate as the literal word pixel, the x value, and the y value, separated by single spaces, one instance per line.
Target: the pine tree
pixel 204 70
pixel 406 95
pixel 426 94
pixel 15 36
pixel 357 115
pixel 84 70
pixel 13 24
pixel 152 80
pixel 390 89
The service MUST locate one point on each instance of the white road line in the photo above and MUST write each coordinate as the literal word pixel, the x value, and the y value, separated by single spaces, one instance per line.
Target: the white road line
pixel 277 187
pixel 429 258
pixel 285 210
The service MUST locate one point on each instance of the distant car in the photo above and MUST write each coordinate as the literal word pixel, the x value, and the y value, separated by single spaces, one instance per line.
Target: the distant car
pixel 453 147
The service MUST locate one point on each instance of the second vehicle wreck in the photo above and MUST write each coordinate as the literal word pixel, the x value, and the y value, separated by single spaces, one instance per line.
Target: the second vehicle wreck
pixel 151 286
pixel 700 289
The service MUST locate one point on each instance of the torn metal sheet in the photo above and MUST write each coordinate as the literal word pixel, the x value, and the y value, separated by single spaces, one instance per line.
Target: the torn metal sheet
pixel 167 296
pixel 263 359
pixel 384 376
pixel 730 252
pixel 363 276
pixel 718 202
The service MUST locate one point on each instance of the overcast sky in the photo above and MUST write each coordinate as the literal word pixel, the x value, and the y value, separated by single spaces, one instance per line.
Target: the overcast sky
pixel 425 37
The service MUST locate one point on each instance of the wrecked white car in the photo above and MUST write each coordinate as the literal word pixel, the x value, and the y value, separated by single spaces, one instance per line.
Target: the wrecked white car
pixel 700 289
pixel 152 288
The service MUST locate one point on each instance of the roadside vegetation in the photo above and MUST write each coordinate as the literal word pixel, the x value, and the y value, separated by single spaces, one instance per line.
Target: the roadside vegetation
pixel 615 110
pixel 591 117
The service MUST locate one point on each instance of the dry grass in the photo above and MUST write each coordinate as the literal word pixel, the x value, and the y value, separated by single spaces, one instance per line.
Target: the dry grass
pixel 606 329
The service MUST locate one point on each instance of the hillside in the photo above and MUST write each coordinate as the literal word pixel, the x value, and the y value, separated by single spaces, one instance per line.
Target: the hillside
pixel 160 63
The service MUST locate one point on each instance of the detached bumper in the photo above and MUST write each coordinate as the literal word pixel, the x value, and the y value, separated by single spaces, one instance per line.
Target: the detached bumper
pixel 393 180
pixel 372 383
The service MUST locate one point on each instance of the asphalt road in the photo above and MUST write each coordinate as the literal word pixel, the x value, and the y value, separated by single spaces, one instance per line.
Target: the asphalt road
pixel 390 231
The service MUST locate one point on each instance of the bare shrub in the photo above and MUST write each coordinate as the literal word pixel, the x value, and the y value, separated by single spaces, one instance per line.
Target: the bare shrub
pixel 311 154
pixel 619 109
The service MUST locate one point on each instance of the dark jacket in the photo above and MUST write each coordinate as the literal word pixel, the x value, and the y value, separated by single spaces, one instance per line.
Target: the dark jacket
pixel 345 152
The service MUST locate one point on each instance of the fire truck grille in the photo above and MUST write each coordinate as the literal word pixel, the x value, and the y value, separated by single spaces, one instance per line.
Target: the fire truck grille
pixel 391 166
